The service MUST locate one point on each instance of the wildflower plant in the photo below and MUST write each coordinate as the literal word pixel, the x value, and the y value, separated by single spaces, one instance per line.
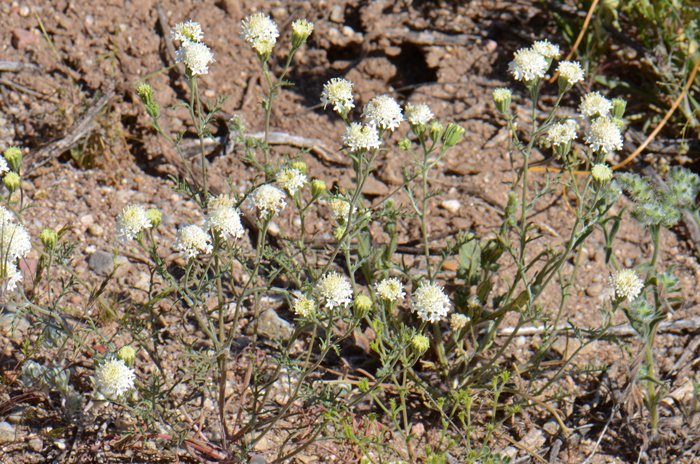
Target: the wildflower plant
pixel 428 329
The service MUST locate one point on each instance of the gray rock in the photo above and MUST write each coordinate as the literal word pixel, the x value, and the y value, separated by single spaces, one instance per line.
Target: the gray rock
pixel 272 326
pixel 7 432
pixel 101 262
pixel 36 445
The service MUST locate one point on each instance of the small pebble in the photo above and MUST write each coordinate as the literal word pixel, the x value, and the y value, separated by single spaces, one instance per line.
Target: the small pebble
pixel 451 205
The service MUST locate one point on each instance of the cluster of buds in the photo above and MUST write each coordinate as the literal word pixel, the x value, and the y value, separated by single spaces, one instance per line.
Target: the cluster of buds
pixel 9 166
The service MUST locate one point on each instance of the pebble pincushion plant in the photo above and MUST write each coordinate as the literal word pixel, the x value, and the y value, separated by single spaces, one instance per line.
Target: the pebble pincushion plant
pixel 430 332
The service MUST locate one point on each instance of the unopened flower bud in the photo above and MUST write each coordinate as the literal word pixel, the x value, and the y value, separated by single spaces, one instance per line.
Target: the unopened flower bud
pixel 435 130
pixel 318 188
pixel 363 304
pixel 236 124
pixel 618 108
pixel 601 172
pixel 420 343
pixel 12 181
pixel 453 134
pixel 13 156
pixel 339 232
pixel 502 97
pixel 127 354
pixel 145 92
pixel 49 238
pixel 512 208
pixel 300 166
pixel 404 144
pixel 301 30
pixel 619 123
pixel 155 216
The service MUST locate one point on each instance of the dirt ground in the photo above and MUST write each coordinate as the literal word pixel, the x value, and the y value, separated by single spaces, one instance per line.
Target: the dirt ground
pixel 80 94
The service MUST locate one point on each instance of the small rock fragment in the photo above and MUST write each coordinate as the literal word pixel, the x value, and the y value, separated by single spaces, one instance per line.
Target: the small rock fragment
pixel 451 205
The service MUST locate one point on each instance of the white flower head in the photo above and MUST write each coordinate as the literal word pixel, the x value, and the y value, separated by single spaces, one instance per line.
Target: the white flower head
pixel 604 136
pixel 196 57
pixel 187 32
pixel 335 290
pixel 291 180
pixel 9 276
pixel 571 71
pixel 627 284
pixel 340 208
pixel 223 217
pixel 269 200
pixel 14 242
pixel 528 65
pixel 192 240
pixel 114 378
pixel 601 172
pixel 562 133
pixel 419 114
pixel 5 215
pixel 358 137
pixel 430 302
pixel 593 104
pixel 302 28
pixel 384 112
pixel 3 165
pixel 546 49
pixel 458 321
pixel 132 220
pixel 304 307
pixel 261 31
pixel 338 92
pixel 390 289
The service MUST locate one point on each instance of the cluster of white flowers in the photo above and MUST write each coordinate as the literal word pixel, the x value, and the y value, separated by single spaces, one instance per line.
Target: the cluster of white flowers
pixel 604 135
pixel 562 133
pixel 335 290
pixel 430 302
pixel 338 92
pixel 594 105
pixel 223 217
pixel 601 172
pixel 390 289
pixel 261 31
pixel 192 51
pixel 132 220
pixel 291 180
pixel 419 114
pixel 14 244
pixel 547 49
pixel 191 240
pixel 384 112
pixel 627 284
pixel 358 137
pixel 187 32
pixel 571 71
pixel 114 378
pixel 528 65
pixel 340 208
pixel 458 321
pixel 304 307
pixel 269 200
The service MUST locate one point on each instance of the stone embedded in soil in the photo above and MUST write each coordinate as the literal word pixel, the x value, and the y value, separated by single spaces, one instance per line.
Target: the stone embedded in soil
pixel 7 432
pixel 594 289
pixel 36 445
pixel 101 262
pixel 96 230
pixel 451 205
pixel 272 326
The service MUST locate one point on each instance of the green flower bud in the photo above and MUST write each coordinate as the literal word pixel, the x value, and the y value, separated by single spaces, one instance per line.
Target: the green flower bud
pixel 502 97
pixel 155 216
pixel 127 354
pixel 13 156
pixel 618 109
pixel 453 134
pixel 300 166
pixel 363 304
pixel 420 343
pixel 236 124
pixel 619 123
pixel 318 188
pixel 49 238
pixel 404 144
pixel 435 130
pixel 339 232
pixel 145 92
pixel 301 30
pixel 12 181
